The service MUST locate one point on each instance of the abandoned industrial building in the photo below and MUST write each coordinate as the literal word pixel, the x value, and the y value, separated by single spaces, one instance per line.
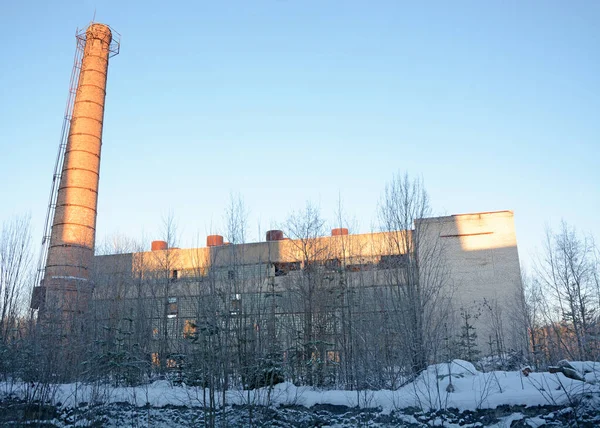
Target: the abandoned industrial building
pixel 286 293
pixel 320 305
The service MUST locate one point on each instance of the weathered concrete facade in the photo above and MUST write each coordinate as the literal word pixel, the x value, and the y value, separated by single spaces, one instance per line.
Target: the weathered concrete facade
pixel 483 264
pixel 171 287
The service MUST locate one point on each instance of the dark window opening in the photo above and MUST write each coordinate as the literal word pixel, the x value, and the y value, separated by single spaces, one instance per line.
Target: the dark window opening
pixel 333 264
pixel 329 264
pixel 394 261
pixel 333 357
pixel 312 265
pixel 283 268
pixel 358 267
pixel 172 307
pixel 189 330
pixel 39 297
pixel 236 304
pixel 174 275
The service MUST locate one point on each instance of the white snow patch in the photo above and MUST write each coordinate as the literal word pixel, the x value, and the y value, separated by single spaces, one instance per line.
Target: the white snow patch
pixel 508 420
pixel 472 390
pixel 535 422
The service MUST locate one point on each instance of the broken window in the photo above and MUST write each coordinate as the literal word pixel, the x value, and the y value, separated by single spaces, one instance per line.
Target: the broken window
pixel 333 264
pixel 333 357
pixel 284 268
pixel 394 261
pixel 236 304
pixel 189 330
pixel 172 307
pixel 358 267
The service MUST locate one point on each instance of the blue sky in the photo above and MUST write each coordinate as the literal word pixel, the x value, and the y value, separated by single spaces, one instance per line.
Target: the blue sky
pixel 495 104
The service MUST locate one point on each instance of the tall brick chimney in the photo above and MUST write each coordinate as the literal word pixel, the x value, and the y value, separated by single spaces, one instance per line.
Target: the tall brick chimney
pixel 67 271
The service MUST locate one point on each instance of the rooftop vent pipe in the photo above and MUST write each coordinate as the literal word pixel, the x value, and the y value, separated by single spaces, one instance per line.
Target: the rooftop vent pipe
pixel 214 240
pixel 159 245
pixel 340 231
pixel 274 235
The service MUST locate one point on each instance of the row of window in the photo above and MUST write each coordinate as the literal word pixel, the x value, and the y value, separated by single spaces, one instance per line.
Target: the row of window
pixel 283 268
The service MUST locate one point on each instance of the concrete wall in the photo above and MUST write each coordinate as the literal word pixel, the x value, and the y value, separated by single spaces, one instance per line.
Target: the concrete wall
pixel 480 252
pixel 483 262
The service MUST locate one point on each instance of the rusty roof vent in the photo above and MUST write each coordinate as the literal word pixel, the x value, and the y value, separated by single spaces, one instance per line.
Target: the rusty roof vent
pixel 214 240
pixel 274 235
pixel 340 231
pixel 159 245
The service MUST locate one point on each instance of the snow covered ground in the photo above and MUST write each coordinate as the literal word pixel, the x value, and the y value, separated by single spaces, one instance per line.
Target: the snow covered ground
pixel 457 386
pixel 471 390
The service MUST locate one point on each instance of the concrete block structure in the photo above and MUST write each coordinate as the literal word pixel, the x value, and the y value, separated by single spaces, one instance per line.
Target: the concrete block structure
pixel 268 284
pixel 483 265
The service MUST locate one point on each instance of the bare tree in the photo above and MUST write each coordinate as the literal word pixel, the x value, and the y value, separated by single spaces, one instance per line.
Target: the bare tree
pixel 568 272
pixel 15 273
pixel 345 296
pixel 534 321
pixel 168 273
pixel 236 217
pixel 15 283
pixel 117 244
pixel 306 228
pixel 416 271
pixel 117 328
